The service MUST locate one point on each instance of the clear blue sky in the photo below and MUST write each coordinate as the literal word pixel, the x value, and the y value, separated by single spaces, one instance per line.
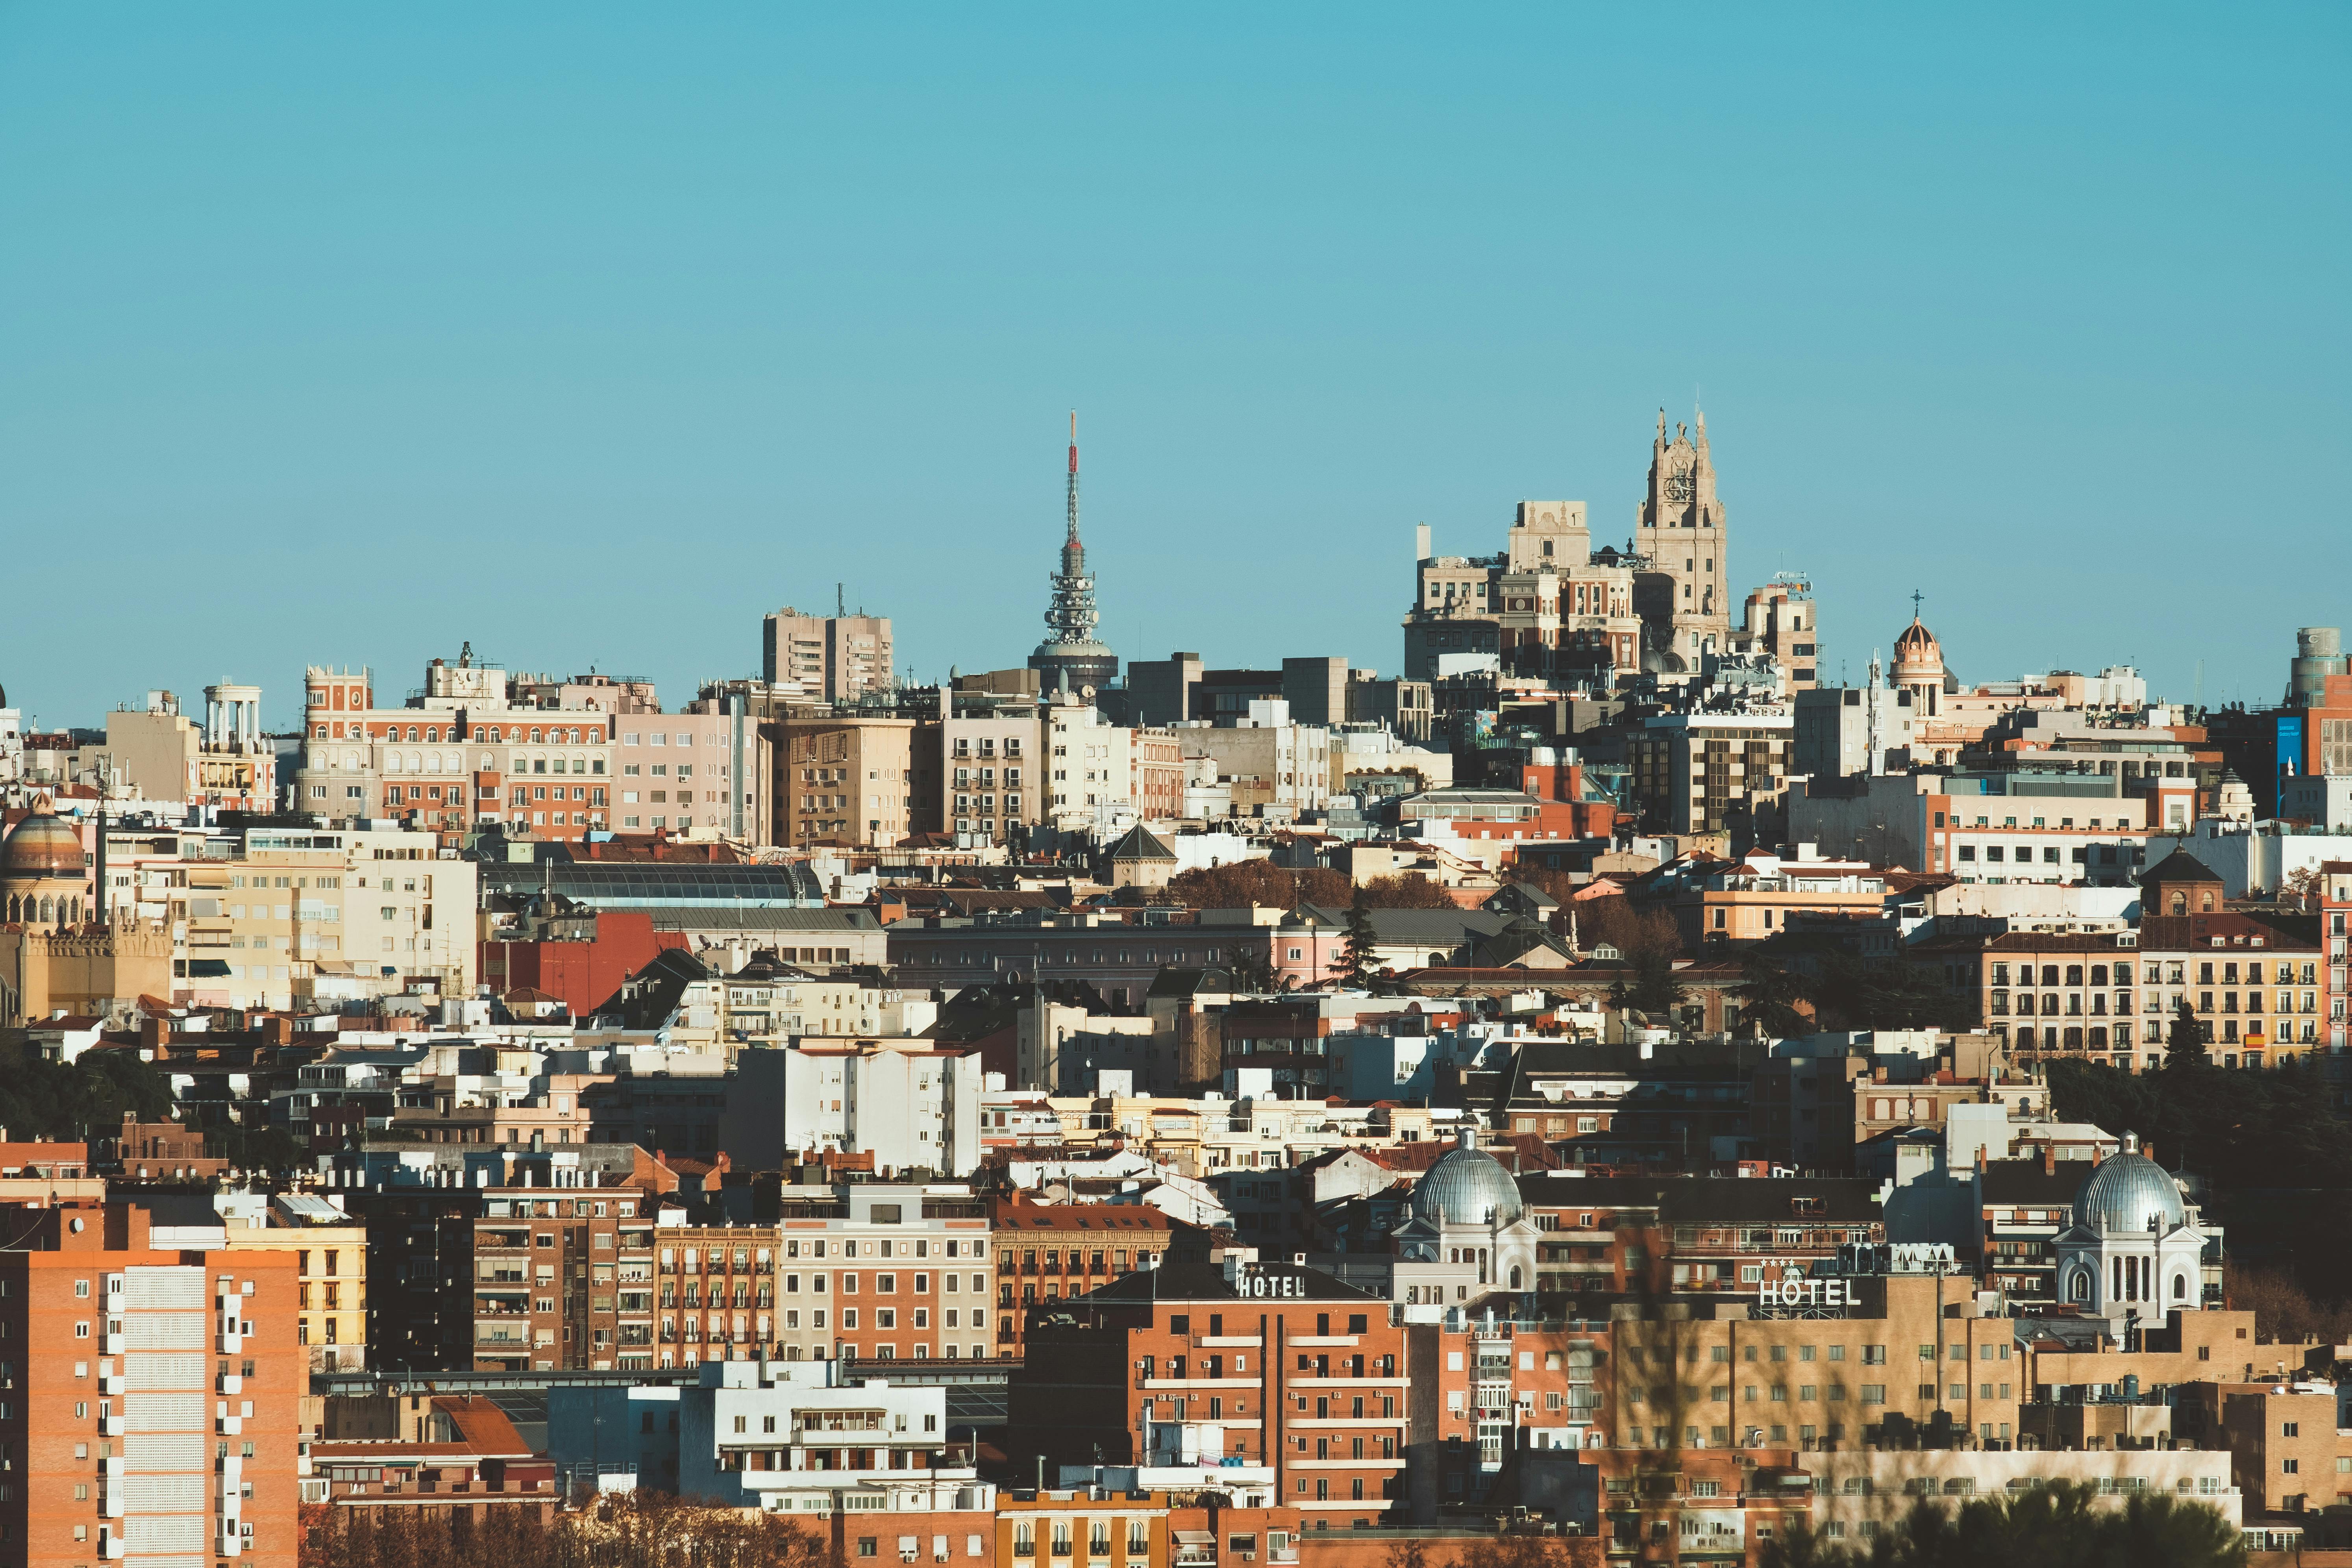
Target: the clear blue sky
pixel 341 333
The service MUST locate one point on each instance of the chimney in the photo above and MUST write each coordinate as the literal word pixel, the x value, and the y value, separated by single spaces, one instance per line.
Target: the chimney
pixel 2049 1159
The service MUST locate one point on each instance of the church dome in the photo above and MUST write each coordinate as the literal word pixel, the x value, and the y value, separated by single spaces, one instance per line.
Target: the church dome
pixel 1918 647
pixel 1467 1186
pixel 2130 1192
pixel 43 845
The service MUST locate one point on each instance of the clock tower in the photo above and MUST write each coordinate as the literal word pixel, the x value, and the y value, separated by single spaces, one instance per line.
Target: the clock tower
pixel 1682 593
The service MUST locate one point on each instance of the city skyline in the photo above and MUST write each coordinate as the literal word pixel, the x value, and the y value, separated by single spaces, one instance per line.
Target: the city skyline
pixel 381 337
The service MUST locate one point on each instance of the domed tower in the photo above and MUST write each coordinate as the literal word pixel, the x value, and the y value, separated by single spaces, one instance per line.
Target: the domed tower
pixel 1919 668
pixel 1465 1232
pixel 2133 1249
pixel 44 871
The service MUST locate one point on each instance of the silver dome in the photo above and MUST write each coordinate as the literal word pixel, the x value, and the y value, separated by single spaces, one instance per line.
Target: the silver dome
pixel 1467 1187
pixel 2129 1192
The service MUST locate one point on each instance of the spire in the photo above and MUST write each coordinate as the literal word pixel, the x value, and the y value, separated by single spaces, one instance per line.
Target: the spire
pixel 1073 475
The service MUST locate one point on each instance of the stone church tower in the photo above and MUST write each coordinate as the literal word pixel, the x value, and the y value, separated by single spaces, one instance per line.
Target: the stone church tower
pixel 1684 598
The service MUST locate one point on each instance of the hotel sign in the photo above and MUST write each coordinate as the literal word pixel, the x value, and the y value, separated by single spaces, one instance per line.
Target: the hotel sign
pixel 1806 1292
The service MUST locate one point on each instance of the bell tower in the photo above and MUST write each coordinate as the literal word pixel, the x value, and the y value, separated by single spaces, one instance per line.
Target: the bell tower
pixel 1683 596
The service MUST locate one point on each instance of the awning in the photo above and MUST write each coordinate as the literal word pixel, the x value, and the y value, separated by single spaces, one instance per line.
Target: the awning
pixel 208 969
pixel 1195 1538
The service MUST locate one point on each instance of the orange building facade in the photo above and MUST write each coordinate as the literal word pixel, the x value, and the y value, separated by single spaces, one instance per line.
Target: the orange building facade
pixel 155 1409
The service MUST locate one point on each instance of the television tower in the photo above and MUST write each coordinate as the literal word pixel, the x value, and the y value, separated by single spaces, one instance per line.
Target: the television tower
pixel 1071 655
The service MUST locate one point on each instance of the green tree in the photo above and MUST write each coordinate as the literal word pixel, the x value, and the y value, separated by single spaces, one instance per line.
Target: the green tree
pixel 1356 955
pixel 1865 994
pixel 2185 1040
pixel 1651 987
pixel 1771 995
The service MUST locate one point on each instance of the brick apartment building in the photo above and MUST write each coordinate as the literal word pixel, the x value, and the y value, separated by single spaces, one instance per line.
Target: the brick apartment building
pixel 156 1404
pixel 1301 1371
pixel 1047 1251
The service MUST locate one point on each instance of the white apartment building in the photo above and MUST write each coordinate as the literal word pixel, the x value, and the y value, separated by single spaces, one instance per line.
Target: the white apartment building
pixel 911 1106
pixel 1266 760
pixel 1089 764
pixel 276 914
pixel 795 1438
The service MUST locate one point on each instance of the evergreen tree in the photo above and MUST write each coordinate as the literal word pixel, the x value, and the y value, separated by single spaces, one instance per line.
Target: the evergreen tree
pixel 2185 1040
pixel 1356 957
pixel 1769 994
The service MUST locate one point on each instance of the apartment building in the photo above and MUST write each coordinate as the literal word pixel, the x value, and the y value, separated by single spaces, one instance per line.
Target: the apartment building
pixel 1999 828
pixel 2334 916
pixel 157 753
pixel 841 657
pixel 1709 773
pixel 803 1439
pixel 157 1390
pixel 844 781
pixel 1089 766
pixel 909 1106
pixel 261 919
pixel 563 1278
pixel 1299 1371
pixel 878 1270
pixel 1119 958
pixel 694 775
pixel 331 1269
pixel 1266 758
pixel 979 773
pixel 1046 1251
pixel 462 751
pixel 1156 760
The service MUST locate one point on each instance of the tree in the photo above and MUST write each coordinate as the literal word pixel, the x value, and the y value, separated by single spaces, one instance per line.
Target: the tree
pixel 2282 1309
pixel 1773 999
pixel 1356 957
pixel 1612 920
pixel 1888 995
pixel 2055 1524
pixel 1651 986
pixel 85 1097
pixel 1258 881
pixel 2185 1041
pixel 1410 891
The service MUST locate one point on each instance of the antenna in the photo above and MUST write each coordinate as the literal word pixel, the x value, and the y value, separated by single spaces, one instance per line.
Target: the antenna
pixel 840 600
pixel 1073 475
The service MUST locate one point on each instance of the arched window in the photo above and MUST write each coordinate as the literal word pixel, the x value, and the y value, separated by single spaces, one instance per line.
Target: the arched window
pixel 1514 1276
pixel 2179 903
pixel 2208 904
pixel 2078 1286
pixel 534 737
pixel 2181 1287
